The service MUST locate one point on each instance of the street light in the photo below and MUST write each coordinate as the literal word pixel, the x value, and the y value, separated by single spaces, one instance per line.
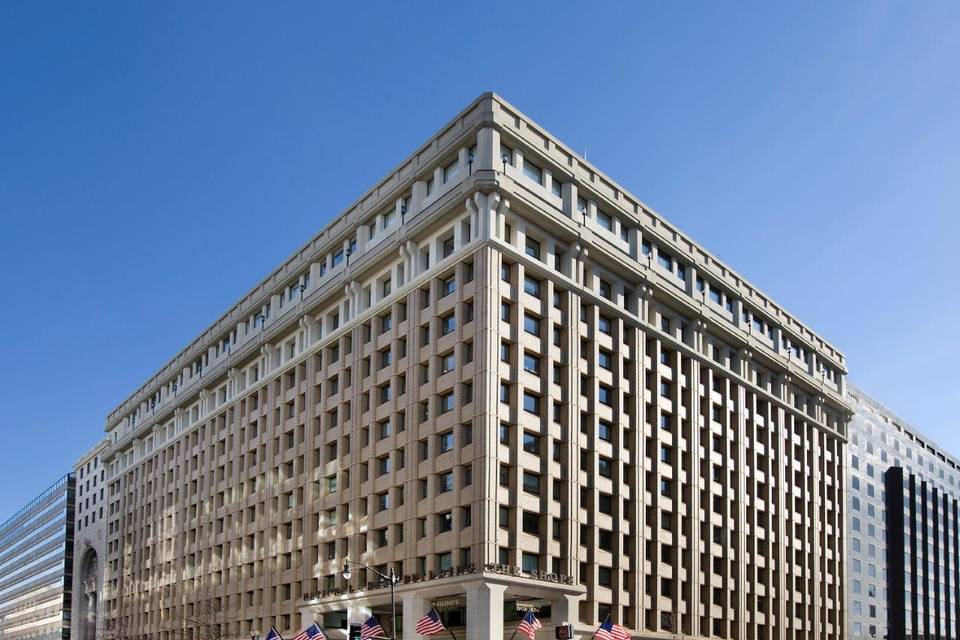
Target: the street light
pixel 391 577
pixel 254 635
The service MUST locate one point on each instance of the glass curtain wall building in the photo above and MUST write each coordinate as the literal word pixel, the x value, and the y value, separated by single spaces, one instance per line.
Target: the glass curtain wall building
pixel 36 565
pixel 902 529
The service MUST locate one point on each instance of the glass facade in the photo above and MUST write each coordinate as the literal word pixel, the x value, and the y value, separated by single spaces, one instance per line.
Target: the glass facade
pixel 902 530
pixel 36 566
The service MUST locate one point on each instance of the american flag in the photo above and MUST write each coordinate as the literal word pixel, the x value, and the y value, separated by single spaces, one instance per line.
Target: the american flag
pixel 313 632
pixel 430 624
pixel 273 634
pixel 529 625
pixel 371 629
pixel 610 631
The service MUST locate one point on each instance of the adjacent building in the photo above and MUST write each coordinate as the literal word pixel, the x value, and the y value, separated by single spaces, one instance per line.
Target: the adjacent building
pixel 36 566
pixel 90 543
pixel 506 379
pixel 904 540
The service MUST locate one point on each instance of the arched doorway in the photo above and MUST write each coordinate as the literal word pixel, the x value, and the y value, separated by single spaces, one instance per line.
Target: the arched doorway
pixel 90 579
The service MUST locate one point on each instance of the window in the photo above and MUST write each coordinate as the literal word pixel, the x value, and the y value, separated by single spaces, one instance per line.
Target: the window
pixel 605 431
pixel 505 351
pixel 606 290
pixel 531 523
pixel 604 325
pixel 447 363
pixel 531 482
pixel 445 482
pixel 448 286
pixel 337 258
pixel 531 403
pixel 531 443
pixel 532 171
pixel 605 395
pixel 448 323
pixel 664 487
pixel 531 362
pixel 445 441
pixel 505 272
pixel 451 170
pixel 531 286
pixel 605 467
pixel 447 248
pixel 445 522
pixel 532 248
pixel 604 220
pixel 665 260
pixel 604 359
pixel 504 433
pixel 446 402
pixel 531 324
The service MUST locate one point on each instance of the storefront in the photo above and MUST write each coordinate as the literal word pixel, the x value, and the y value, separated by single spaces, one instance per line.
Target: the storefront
pixel 475 604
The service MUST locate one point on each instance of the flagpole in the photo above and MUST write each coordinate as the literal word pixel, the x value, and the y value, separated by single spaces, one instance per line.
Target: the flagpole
pixel 598 628
pixel 449 630
pixel 322 630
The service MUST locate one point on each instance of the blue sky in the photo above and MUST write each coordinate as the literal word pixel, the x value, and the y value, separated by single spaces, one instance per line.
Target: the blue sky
pixel 156 160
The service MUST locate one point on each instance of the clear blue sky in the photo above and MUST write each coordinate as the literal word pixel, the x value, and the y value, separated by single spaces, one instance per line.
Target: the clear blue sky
pixel 156 160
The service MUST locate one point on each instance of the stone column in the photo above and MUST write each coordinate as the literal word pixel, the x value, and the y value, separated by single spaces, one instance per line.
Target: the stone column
pixel 358 614
pixel 485 611
pixel 414 608
pixel 565 608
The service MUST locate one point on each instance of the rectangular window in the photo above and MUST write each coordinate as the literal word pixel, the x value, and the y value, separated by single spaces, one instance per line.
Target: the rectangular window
pixel 532 171
pixel 604 220
pixel 531 483
pixel 604 325
pixel 531 443
pixel 605 359
pixel 531 403
pixel 446 402
pixel 445 441
pixel 605 395
pixel 531 286
pixel 447 363
pixel 448 286
pixel 532 248
pixel 448 323
pixel 531 324
pixel 605 431
pixel 531 363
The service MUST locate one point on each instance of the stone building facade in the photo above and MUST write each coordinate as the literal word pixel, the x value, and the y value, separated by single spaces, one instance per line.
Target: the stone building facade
pixel 508 380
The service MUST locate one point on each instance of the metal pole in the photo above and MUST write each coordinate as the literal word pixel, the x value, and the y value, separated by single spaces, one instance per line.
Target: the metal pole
pixel 598 628
pixel 393 608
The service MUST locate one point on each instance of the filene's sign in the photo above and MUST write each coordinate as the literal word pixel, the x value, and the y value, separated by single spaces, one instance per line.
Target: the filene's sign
pixel 412 578
pixel 531 605
pixel 448 604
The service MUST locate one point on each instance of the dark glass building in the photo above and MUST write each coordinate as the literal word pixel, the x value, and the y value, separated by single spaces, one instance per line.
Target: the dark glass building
pixel 923 558
pixel 902 529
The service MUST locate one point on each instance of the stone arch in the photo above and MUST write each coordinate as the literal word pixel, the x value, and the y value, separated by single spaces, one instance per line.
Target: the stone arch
pixel 90 598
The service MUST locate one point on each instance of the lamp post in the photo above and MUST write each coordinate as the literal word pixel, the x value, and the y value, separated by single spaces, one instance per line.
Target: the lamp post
pixel 254 635
pixel 391 577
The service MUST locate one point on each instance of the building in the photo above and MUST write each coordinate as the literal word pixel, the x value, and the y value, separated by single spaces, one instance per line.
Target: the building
pixel 506 379
pixel 903 529
pixel 90 545
pixel 36 566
